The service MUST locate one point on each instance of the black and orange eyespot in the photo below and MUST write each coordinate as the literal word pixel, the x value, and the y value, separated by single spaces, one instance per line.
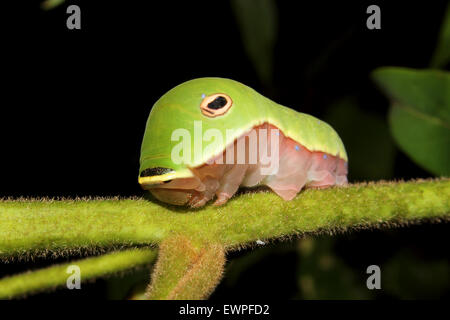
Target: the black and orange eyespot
pixel 216 105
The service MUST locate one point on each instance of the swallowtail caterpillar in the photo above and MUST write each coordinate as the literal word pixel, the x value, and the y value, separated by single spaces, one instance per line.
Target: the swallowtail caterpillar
pixel 207 137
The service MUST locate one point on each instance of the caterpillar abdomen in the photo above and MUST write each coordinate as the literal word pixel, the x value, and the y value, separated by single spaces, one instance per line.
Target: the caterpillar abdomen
pixel 297 168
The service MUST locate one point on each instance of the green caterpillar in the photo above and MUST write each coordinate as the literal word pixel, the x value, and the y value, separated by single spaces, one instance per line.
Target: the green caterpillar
pixel 208 136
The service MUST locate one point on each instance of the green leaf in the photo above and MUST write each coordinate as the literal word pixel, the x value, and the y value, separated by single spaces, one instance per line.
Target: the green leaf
pixel 420 114
pixel 257 20
pixel 441 55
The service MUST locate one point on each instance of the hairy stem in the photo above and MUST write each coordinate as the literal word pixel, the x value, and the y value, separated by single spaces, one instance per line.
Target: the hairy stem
pixel 192 243
pixel 56 225
pixel 30 225
pixel 185 271
pixel 90 268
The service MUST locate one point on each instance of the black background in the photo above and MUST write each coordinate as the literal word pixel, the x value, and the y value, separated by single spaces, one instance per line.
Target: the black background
pixel 75 102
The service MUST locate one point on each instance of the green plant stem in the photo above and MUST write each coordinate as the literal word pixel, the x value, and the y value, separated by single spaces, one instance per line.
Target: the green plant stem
pixel 32 227
pixel 54 276
pixel 185 271
pixel 38 225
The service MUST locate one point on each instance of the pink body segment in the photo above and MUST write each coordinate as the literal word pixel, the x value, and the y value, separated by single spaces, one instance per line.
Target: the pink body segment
pixel 297 168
